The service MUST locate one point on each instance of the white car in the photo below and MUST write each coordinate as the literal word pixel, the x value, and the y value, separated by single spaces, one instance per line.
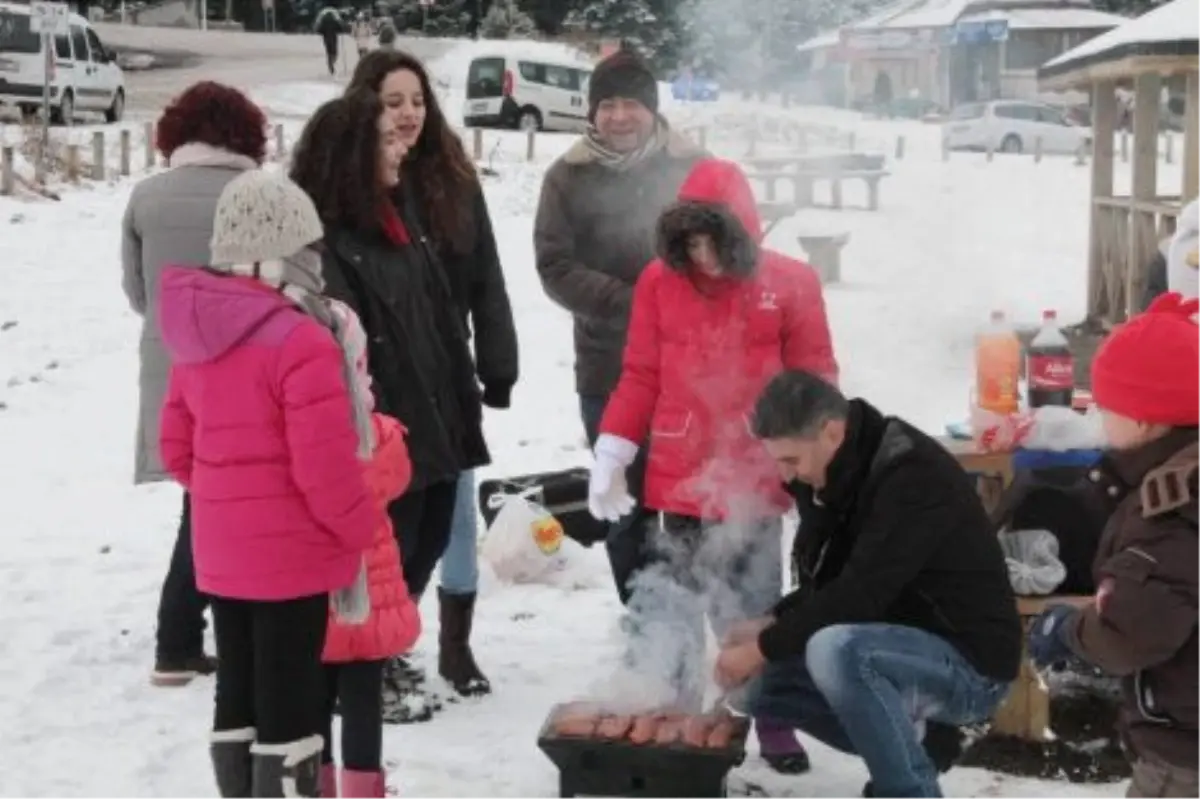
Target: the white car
pixel 1013 126
pixel 526 93
pixel 84 75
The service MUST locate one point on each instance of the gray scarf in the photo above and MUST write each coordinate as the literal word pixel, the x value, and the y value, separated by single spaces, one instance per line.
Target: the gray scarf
pixel 298 277
pixel 623 162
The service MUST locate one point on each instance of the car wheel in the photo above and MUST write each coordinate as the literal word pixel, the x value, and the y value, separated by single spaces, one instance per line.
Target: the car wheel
pixel 117 109
pixel 1011 144
pixel 65 113
pixel 529 119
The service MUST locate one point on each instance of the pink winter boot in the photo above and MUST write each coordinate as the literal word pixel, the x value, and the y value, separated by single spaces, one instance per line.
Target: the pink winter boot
pixel 329 782
pixel 363 784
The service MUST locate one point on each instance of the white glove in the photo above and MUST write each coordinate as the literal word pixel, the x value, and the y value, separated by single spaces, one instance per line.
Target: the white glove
pixel 608 494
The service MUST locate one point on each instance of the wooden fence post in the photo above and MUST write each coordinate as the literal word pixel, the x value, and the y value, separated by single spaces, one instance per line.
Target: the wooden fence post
pixel 477 143
pixel 532 137
pixel 899 148
pixel 126 163
pixel 280 143
pixel 98 154
pixel 7 173
pixel 703 137
pixel 73 162
pixel 148 139
pixel 1037 150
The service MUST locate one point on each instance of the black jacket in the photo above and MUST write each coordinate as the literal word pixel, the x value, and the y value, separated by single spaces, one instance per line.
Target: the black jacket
pixel 899 537
pixel 418 351
pixel 477 283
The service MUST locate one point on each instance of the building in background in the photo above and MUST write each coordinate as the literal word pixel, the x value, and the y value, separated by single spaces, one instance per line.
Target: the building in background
pixel 923 53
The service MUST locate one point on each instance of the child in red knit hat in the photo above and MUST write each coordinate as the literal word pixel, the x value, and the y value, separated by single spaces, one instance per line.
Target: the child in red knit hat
pixel 1141 625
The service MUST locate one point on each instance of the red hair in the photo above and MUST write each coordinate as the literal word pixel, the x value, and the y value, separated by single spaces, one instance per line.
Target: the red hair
pixel 214 114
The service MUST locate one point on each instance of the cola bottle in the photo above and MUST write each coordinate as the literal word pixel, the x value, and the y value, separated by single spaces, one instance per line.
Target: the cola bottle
pixel 1049 366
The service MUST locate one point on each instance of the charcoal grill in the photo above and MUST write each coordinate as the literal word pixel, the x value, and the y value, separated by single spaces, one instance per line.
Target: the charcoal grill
pixel 603 767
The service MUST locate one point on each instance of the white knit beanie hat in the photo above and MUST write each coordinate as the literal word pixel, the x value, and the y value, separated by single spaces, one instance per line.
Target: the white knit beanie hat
pixel 262 216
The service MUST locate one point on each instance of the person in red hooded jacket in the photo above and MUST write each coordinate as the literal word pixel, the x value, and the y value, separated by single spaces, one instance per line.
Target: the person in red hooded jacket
pixel 714 318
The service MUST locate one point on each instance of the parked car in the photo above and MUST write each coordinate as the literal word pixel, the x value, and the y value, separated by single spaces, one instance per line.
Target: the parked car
pixel 84 74
pixel 526 93
pixel 695 88
pixel 1013 126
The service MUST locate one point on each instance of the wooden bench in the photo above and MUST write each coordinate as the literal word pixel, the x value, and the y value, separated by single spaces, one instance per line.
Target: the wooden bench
pixel 825 254
pixel 774 212
pixel 1025 712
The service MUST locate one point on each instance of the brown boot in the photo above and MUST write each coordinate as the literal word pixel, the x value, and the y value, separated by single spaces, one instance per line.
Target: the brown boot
pixel 456 663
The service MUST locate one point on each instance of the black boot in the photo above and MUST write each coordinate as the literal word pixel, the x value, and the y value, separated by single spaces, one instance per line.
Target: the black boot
pixel 405 700
pixel 290 769
pixel 456 662
pixel 230 752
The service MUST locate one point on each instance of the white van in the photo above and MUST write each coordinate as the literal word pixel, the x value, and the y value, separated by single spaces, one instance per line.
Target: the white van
pixel 84 75
pixel 527 93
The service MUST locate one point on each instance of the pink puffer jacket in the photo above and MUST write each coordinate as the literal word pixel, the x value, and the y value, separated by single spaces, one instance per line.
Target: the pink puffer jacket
pixel 394 622
pixel 258 426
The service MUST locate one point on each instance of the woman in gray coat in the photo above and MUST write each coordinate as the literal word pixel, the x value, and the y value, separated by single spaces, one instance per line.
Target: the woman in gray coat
pixel 209 135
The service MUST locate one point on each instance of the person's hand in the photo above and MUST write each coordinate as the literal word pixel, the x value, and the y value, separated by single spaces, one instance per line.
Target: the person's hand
pixel 747 630
pixel 738 664
pixel 608 493
pixel 1047 636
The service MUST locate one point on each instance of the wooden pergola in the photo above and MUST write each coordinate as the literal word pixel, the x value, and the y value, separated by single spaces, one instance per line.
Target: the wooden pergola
pixel 1142 54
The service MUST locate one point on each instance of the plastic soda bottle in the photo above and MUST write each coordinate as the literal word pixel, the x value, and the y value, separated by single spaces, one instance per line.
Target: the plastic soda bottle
pixel 997 366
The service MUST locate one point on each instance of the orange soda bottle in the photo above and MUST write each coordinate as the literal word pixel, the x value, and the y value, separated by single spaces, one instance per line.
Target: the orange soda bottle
pixel 997 366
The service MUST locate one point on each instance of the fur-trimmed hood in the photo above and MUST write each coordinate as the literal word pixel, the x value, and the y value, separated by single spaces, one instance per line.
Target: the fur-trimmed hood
pixel 715 200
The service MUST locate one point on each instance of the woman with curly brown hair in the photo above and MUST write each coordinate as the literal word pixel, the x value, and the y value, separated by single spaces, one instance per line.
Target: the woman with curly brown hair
pixel 441 188
pixel 209 135
pixel 379 261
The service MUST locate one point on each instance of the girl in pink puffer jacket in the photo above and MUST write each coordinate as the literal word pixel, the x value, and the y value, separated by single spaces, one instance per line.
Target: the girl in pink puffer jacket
pixel 264 425
pixel 355 654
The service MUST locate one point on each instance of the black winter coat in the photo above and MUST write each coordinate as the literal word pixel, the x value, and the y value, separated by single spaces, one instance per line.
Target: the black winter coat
pixel 899 536
pixel 476 280
pixel 418 349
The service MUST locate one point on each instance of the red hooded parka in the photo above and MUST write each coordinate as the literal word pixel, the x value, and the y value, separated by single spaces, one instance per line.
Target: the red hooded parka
pixel 700 349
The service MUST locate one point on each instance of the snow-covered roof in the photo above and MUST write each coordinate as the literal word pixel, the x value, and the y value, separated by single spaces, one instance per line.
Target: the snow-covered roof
pixel 1065 18
pixel 1167 30
pixel 909 14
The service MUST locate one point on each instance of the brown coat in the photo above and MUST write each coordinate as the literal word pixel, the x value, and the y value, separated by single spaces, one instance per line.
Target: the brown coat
pixel 593 236
pixel 1142 626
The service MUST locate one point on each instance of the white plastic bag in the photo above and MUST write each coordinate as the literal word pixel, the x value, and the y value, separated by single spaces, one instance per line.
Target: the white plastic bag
pixel 1058 429
pixel 524 543
pixel 1033 565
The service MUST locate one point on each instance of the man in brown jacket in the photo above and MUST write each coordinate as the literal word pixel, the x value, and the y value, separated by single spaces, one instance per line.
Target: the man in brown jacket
pixel 593 235
pixel 1142 623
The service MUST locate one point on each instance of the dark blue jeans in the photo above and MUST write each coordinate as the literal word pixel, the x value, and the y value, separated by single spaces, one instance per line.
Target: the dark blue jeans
pixel 626 545
pixel 868 689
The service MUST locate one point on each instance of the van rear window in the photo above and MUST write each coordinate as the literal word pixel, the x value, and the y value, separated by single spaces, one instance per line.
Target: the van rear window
pixel 15 35
pixel 485 78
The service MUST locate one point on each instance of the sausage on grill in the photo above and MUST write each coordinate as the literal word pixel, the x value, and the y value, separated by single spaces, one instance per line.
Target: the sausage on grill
pixel 576 720
pixel 614 727
pixel 645 727
pixel 696 730
pixel 669 730
pixel 721 734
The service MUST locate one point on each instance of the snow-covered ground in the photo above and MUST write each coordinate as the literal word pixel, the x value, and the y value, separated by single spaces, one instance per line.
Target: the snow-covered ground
pixel 85 552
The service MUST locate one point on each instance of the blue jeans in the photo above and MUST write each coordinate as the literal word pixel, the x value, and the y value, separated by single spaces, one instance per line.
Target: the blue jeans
pixel 725 572
pixel 460 562
pixel 626 544
pixel 867 689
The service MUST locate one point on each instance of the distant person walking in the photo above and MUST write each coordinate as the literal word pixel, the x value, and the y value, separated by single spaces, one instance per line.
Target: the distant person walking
pixel 360 30
pixel 330 25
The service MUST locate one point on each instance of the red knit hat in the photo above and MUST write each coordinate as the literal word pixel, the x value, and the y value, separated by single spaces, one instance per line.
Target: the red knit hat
pixel 1148 369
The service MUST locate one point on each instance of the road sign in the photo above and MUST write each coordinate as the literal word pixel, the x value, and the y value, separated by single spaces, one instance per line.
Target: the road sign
pixel 49 18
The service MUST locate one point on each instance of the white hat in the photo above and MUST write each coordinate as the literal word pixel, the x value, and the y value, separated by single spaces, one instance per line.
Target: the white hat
pixel 262 216
pixel 1183 266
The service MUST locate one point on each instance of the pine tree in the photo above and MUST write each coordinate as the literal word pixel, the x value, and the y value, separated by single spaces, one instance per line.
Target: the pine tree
pixel 504 20
pixel 631 21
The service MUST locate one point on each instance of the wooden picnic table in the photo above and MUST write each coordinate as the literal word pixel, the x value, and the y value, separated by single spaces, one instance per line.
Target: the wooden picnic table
pixel 1025 712
pixel 803 171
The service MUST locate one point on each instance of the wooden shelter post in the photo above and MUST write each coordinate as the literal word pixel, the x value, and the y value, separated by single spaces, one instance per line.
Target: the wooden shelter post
pixel 1191 139
pixel 1104 125
pixel 1143 232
